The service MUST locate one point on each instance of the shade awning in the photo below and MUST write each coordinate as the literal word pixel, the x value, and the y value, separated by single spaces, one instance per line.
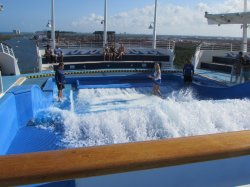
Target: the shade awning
pixel 228 18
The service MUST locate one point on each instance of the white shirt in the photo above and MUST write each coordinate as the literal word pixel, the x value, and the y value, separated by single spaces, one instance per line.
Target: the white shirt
pixel 157 76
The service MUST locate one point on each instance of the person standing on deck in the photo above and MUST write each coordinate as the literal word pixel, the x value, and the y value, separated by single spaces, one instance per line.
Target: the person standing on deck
pixel 156 80
pixel 60 80
pixel 188 71
pixel 242 65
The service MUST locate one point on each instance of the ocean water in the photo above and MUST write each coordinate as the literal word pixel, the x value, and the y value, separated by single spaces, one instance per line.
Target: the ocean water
pixel 92 117
pixel 25 51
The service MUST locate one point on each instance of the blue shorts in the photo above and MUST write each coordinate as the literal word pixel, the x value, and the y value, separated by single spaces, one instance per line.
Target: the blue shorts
pixel 157 82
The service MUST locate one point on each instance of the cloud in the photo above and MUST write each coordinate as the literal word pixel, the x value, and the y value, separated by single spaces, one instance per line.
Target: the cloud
pixel 88 24
pixel 202 7
pixel 86 20
pixel 171 19
pixel 230 6
pixel 121 15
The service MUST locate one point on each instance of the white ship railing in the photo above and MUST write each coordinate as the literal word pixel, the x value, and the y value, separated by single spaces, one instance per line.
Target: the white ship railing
pixel 4 48
pixel 222 46
pixel 9 61
pixel 197 56
pixel 1 83
pixel 127 44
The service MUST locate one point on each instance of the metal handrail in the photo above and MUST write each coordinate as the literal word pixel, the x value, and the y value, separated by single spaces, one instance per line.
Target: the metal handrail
pixel 96 161
pixel 7 50
pixel 1 82
pixel 127 44
pixel 222 46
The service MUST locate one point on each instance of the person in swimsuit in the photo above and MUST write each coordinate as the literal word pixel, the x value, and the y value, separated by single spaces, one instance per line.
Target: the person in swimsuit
pixel 112 53
pixel 106 52
pixel 121 52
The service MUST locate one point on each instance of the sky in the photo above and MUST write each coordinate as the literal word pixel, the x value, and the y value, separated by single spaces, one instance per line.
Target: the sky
pixel 174 17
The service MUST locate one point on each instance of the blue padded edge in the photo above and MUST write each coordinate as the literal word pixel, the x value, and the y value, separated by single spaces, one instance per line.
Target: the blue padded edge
pixel 17 107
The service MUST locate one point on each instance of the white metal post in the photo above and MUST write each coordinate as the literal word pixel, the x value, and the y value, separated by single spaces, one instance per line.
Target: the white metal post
pixel 244 27
pixel 154 32
pixel 2 49
pixel 105 24
pixel 245 5
pixel 53 25
pixel 1 83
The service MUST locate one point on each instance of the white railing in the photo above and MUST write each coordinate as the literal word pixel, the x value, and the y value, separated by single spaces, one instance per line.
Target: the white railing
pixel 6 49
pixel 1 83
pixel 9 64
pixel 39 59
pixel 222 46
pixel 127 44
pixel 197 56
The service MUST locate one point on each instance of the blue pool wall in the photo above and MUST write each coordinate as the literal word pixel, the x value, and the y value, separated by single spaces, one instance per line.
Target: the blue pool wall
pixel 8 121
pixel 240 91
pixel 204 88
pixel 17 109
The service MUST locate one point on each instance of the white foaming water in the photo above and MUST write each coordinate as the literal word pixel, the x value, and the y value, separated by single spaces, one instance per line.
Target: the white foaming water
pixel 108 116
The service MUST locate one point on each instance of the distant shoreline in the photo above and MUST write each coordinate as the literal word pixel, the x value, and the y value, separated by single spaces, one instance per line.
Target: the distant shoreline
pixel 135 35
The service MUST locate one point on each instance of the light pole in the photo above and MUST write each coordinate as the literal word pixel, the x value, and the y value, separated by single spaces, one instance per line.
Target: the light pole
pixel 49 27
pixel 154 32
pixel 105 24
pixel 244 26
pixel 53 25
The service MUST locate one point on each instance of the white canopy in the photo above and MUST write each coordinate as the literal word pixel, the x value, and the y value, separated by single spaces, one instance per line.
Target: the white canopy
pixel 228 18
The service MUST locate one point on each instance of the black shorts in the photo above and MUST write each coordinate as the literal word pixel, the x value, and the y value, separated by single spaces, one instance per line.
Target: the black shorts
pixel 188 78
pixel 60 86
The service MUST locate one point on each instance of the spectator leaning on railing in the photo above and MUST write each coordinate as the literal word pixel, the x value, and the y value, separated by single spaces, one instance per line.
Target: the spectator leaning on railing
pixel 237 66
pixel 48 54
pixel 58 54
pixel 245 68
